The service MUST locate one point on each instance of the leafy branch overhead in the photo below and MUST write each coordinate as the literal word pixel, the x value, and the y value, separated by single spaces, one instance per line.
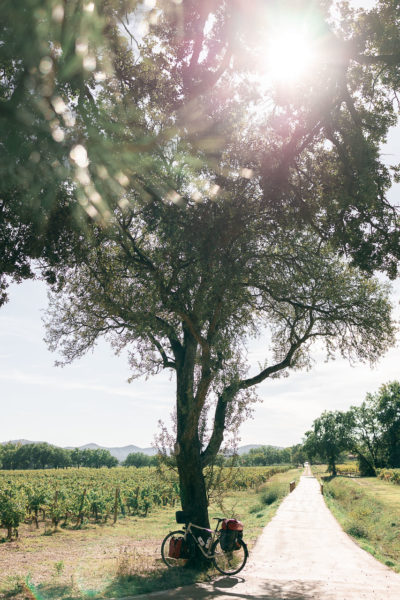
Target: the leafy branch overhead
pixel 98 94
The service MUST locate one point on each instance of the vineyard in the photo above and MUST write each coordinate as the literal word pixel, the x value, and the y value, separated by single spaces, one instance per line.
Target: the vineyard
pixel 73 497
pixel 349 469
pixel 391 475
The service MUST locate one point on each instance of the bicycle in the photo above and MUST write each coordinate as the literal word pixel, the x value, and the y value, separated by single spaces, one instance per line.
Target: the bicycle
pixel 227 562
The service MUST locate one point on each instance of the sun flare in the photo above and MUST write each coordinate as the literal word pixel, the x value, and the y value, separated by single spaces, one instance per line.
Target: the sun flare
pixel 290 55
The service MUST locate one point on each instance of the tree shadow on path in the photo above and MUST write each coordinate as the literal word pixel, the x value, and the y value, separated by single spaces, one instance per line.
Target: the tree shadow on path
pixel 252 589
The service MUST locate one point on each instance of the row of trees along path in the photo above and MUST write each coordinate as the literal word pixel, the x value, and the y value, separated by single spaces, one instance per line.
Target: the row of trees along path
pixel 302 554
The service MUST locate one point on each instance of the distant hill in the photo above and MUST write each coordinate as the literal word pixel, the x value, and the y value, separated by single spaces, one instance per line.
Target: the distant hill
pixel 23 442
pixel 246 449
pixel 119 453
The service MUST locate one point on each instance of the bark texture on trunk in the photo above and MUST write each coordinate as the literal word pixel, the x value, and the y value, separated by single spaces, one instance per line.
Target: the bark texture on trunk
pixel 192 483
pixel 193 495
pixel 193 491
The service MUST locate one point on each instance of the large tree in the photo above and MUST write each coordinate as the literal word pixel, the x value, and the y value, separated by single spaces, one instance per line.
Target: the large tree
pixel 183 287
pixel 387 401
pixel 366 436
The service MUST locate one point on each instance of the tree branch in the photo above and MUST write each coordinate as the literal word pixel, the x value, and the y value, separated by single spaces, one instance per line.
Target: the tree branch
pixel 167 362
pixel 387 59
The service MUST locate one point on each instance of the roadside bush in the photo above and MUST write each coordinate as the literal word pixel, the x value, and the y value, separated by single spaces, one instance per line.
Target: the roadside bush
pixel 392 475
pixel 256 509
pixel 357 529
pixel 336 489
pixel 365 468
pixel 360 518
pixel 273 492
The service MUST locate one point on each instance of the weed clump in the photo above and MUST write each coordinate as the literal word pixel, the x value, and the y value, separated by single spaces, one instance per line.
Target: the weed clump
pixel 272 493
pixel 256 509
pixel 357 530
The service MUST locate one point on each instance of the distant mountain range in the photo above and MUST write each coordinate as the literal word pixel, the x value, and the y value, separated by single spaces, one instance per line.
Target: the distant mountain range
pixel 122 452
pixel 119 453
pixel 245 449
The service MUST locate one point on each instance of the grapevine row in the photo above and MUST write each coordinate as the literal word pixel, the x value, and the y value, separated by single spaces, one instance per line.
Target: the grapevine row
pixel 71 497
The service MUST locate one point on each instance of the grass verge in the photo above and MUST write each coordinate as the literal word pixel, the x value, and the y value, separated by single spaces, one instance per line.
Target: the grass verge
pixel 116 561
pixel 372 519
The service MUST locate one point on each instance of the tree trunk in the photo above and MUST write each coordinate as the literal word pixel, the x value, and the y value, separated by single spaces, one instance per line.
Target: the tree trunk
pixel 194 495
pixel 192 484
pixel 188 448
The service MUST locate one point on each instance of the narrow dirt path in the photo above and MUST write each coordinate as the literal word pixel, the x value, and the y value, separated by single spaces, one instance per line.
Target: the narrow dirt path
pixel 302 554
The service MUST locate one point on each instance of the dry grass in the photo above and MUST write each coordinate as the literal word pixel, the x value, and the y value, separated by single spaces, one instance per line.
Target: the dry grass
pixel 382 490
pixel 112 561
pixel 368 510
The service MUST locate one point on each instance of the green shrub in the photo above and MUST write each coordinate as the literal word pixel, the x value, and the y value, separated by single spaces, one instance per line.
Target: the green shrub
pixel 365 468
pixel 357 529
pixel 273 492
pixel 256 509
pixel 392 475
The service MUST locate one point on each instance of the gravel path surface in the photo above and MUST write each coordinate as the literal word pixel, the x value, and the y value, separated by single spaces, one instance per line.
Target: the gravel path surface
pixel 302 554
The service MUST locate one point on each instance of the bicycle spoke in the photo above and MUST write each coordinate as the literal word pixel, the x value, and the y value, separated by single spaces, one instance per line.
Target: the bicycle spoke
pixel 232 562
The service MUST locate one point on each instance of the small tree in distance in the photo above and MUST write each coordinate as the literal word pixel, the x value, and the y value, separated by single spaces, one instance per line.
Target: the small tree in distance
pixel 138 459
pixel 329 437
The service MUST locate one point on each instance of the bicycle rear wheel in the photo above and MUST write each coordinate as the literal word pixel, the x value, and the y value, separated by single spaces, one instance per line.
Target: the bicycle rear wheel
pixel 229 563
pixel 169 561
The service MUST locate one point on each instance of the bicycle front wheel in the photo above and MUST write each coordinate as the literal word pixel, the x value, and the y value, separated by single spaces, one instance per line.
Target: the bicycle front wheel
pixel 229 563
pixel 169 561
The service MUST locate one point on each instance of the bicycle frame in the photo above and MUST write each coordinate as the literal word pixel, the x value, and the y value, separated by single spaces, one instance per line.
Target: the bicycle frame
pixel 213 534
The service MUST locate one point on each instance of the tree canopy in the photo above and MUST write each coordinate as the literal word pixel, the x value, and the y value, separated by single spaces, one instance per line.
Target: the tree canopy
pixel 45 456
pixel 265 456
pixel 97 94
pixel 376 428
pixel 329 437
pixel 138 459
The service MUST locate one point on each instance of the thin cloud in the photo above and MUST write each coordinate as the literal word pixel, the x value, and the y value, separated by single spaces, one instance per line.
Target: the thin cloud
pixel 27 329
pixel 17 376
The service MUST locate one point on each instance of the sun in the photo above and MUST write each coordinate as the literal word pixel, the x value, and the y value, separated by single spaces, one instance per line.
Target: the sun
pixel 290 55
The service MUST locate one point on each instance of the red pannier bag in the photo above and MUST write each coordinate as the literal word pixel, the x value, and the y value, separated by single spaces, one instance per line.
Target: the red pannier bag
pixel 177 548
pixel 232 525
pixel 232 531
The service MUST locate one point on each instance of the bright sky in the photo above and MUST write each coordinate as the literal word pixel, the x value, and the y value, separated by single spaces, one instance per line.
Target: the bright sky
pixel 91 401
